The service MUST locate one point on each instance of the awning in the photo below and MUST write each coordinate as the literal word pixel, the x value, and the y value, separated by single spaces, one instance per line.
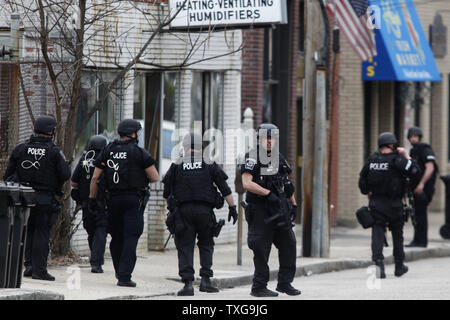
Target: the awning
pixel 403 50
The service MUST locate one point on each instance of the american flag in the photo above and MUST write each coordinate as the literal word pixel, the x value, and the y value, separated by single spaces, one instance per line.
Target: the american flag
pixel 352 17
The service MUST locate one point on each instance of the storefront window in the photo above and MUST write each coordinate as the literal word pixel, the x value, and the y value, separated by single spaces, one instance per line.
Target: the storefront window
pixel 207 99
pixel 196 97
pixel 104 122
pixel 139 97
pixel 161 115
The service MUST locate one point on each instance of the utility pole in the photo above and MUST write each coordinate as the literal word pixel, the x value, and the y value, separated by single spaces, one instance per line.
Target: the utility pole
pixel 247 124
pixel 315 208
pixel 320 221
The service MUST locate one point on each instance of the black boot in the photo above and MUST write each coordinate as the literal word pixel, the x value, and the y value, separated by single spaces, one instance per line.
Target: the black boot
pixel 206 285
pixel 188 289
pixel 263 292
pixel 43 276
pixel 380 269
pixel 129 283
pixel 28 272
pixel 400 269
pixel 96 269
pixel 415 244
pixel 288 289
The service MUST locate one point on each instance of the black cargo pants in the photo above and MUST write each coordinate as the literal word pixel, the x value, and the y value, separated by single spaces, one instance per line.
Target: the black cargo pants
pixel 260 238
pixel 199 220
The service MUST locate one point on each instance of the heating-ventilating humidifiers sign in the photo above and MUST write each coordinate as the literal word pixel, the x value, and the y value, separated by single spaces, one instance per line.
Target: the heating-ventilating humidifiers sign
pixel 226 13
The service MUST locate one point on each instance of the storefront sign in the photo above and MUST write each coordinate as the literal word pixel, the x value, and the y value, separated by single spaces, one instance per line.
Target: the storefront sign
pixel 403 50
pixel 227 13
pixel 438 37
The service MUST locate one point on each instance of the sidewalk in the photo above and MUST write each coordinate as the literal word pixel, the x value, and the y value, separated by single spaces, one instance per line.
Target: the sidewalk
pixel 156 273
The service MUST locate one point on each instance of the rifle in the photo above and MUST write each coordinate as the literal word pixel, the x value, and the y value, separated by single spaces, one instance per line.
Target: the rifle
pixel 279 216
pixel 409 205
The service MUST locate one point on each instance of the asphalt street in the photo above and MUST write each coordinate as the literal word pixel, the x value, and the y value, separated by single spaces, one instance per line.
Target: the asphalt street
pixel 426 279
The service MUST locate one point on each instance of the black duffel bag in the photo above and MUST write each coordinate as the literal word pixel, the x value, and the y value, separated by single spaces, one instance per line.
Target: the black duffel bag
pixel 365 218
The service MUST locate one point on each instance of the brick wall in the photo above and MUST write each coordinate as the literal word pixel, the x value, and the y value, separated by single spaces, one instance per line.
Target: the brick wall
pixel 434 117
pixel 438 100
pixel 292 111
pixel 156 215
pixel 351 135
pixel 252 73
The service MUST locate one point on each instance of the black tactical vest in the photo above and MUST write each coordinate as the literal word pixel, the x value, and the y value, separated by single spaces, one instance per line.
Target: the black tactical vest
pixel 37 164
pixel 417 153
pixel 275 183
pixel 123 172
pixel 193 182
pixel 383 178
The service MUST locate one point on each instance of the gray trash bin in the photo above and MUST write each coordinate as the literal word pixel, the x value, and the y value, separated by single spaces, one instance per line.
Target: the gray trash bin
pixel 19 235
pixel 9 197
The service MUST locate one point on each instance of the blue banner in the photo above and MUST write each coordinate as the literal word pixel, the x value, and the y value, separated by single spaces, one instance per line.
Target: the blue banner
pixel 403 50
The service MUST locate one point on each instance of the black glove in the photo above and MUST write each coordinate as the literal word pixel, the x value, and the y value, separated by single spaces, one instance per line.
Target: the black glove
pixel 92 205
pixel 273 199
pixel 75 194
pixel 232 213
pixel 293 212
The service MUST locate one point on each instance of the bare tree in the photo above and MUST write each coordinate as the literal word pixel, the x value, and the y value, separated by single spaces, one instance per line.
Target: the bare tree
pixel 64 32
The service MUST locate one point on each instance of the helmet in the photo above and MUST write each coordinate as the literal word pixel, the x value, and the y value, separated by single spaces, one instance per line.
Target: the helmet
pixel 414 131
pixel 193 140
pixel 387 138
pixel 128 126
pixel 268 127
pixel 44 124
pixel 97 142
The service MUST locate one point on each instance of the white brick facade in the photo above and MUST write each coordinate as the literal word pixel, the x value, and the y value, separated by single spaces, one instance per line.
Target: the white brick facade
pixel 105 51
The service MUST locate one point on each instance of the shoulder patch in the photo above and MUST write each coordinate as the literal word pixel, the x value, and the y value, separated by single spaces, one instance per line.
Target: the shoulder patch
pixel 250 163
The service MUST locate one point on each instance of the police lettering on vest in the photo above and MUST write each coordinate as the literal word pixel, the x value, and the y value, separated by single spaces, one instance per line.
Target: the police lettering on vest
pixel 118 155
pixel 36 151
pixel 192 166
pixel 379 166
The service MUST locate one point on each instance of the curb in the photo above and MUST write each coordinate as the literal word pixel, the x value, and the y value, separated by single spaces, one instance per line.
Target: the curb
pixel 25 294
pixel 311 269
pixel 335 265
pixel 246 279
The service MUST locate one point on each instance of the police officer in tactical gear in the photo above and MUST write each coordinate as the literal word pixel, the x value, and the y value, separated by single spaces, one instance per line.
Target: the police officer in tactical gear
pixel 423 186
pixel 193 184
pixel 39 163
pixel 127 169
pixel 95 223
pixel 383 179
pixel 270 212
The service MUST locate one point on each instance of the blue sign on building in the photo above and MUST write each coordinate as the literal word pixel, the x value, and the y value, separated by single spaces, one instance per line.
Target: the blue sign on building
pixel 404 53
